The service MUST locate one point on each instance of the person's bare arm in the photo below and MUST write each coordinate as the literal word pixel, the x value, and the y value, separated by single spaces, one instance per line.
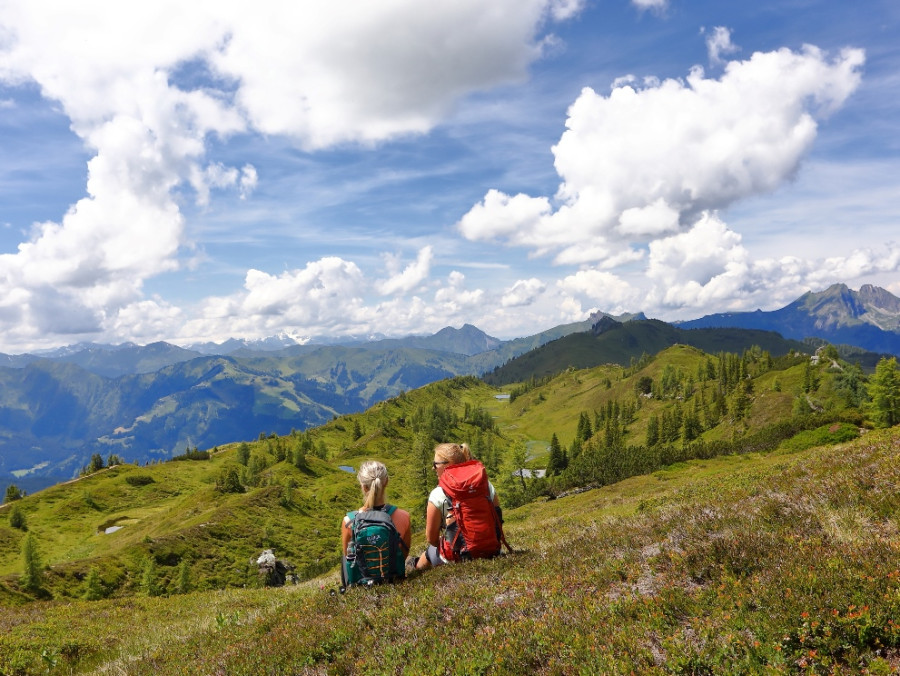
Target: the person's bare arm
pixel 346 534
pixel 432 524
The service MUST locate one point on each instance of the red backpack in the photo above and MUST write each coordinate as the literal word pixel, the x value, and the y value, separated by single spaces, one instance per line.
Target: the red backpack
pixel 476 531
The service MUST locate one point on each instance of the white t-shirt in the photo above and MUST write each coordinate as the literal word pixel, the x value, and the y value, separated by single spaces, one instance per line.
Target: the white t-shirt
pixel 440 500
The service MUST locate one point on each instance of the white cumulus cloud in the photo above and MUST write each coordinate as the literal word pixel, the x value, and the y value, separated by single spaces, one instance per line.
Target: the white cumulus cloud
pixel 411 276
pixel 708 269
pixel 718 43
pixel 523 292
pixel 644 162
pixel 148 86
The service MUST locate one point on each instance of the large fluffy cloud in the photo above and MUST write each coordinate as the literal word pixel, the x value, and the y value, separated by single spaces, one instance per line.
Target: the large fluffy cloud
pixel 147 85
pixel 645 169
pixel 708 268
pixel 642 163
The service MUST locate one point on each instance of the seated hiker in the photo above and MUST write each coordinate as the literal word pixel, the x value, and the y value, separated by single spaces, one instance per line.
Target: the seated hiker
pixel 374 539
pixel 463 519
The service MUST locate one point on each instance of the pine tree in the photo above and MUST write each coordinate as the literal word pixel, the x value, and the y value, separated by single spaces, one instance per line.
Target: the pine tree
pixel 229 481
pixel 93 587
pixel 884 389
pixel 184 577
pixel 652 430
pixel 584 431
pixel 243 453
pixel 33 574
pixel 491 458
pixel 96 464
pixel 575 448
pixel 149 581
pixel 298 455
pixel 12 493
pixel 322 451
pixel 554 461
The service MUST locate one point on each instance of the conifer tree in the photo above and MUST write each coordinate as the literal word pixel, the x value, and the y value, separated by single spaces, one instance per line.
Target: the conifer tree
pixel 229 481
pixel 184 576
pixel 491 453
pixel 884 389
pixel 93 587
pixel 652 430
pixel 575 448
pixel 149 581
pixel 584 431
pixel 96 464
pixel 554 461
pixel 243 453
pixel 32 573
pixel 12 493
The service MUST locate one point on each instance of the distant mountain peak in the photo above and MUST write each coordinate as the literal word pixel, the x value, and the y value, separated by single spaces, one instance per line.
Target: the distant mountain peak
pixel 868 318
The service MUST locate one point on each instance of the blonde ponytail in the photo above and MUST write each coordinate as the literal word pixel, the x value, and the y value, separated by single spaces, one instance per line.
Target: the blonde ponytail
pixel 373 479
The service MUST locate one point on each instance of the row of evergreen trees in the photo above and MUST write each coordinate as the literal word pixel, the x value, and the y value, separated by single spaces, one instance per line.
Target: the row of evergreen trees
pixel 721 392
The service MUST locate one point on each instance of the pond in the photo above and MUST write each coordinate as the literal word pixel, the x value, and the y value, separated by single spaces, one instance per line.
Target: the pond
pixel 346 468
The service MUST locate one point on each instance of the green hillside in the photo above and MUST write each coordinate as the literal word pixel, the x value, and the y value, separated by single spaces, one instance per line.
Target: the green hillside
pixel 289 491
pixel 784 562
pixel 291 495
pixel 182 532
pixel 613 342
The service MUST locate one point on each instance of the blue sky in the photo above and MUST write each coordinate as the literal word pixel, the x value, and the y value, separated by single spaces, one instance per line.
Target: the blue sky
pixel 197 172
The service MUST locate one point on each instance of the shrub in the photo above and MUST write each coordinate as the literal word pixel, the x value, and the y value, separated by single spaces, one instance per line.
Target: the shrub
pixel 12 493
pixel 17 518
pixel 139 479
pixel 229 481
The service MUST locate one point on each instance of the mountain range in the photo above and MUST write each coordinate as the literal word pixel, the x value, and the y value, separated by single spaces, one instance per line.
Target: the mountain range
pixel 145 403
pixel 868 318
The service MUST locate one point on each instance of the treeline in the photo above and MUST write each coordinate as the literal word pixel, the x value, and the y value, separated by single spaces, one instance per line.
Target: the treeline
pixel 720 391
pixel 606 461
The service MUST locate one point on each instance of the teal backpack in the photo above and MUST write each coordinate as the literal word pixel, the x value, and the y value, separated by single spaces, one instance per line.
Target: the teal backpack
pixel 375 552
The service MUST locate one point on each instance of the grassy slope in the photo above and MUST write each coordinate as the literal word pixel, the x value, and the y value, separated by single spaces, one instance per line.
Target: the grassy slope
pixel 181 516
pixel 757 563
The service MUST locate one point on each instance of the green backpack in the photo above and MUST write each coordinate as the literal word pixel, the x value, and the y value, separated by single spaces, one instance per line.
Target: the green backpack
pixel 375 552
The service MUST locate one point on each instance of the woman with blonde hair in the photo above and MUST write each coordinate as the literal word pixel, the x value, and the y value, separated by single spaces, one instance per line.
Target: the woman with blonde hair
pixel 463 489
pixel 375 538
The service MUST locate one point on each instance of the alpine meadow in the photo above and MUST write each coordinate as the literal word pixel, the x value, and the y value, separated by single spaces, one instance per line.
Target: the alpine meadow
pixel 700 513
